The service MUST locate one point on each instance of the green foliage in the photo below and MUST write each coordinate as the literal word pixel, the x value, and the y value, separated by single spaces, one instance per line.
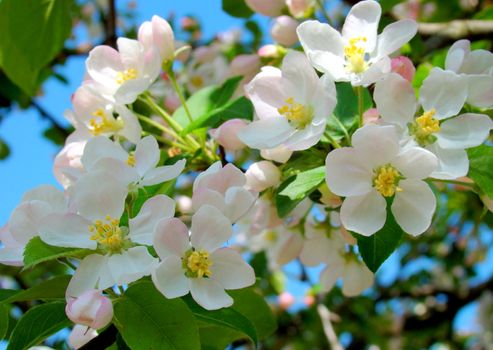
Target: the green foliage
pixel 376 248
pixel 296 188
pixel 4 320
pixel 347 102
pixel 52 289
pixel 237 8
pixel 32 33
pixel 147 320
pixel 38 251
pixel 37 324
pixel 4 149
pixel 481 167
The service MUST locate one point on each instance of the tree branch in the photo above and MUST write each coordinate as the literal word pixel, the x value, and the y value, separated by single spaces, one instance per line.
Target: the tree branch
pixel 457 29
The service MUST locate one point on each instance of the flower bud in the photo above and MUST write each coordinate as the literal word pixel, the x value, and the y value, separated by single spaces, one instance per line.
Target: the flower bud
pixel 279 154
pixel 300 8
pixel 245 65
pixel 285 300
pixel 404 67
pixel 227 134
pixel 90 309
pixel 81 335
pixel 158 32
pixel 371 116
pixel 268 51
pixel 262 175
pixel 283 30
pixel 269 8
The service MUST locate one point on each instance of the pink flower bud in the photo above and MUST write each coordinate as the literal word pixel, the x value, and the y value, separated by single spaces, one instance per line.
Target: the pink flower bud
pixel 279 154
pixel 309 300
pixel 81 335
pixel 268 51
pixel 371 116
pixel 299 8
pixel 285 300
pixel 172 102
pixel 203 54
pixel 158 32
pixel 262 175
pixel 404 67
pixel 283 30
pixel 246 65
pixel 90 309
pixel 269 8
pixel 227 134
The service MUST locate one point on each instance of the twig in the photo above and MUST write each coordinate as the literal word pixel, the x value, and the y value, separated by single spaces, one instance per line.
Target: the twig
pixel 46 115
pixel 324 314
pixel 457 29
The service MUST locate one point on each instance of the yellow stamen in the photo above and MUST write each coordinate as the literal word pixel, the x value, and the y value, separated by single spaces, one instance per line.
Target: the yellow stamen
pixel 108 234
pixel 198 264
pixel 127 74
pixel 101 123
pixel 131 160
pixel 355 55
pixel 386 180
pixel 427 124
pixel 297 114
pixel 197 81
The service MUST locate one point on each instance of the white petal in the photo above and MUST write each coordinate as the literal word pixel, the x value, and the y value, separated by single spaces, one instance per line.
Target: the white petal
pixel 266 133
pixel 209 294
pixel 24 220
pixel 92 273
pixel 102 64
pixel 356 278
pixel 66 230
pixel 378 70
pixel 238 202
pixel 131 127
pixel 345 174
pixel 154 209
pixel 169 278
pixel 163 173
pixel 146 154
pixel 478 62
pixel 415 163
pixel 210 229
pixel 395 100
pixel 230 270
pixel 131 53
pixel 452 163
pixel 289 247
pixel 49 194
pixel 362 20
pixel 364 214
pixel 101 147
pixel 465 131
pixel 297 70
pixel 395 35
pixel 480 90
pixel 443 91
pixel 266 91
pixel 208 197
pixel 171 238
pixel 456 55
pixel 218 178
pixel 126 173
pixel 131 265
pixel 414 206
pixel 376 144
pixel 330 275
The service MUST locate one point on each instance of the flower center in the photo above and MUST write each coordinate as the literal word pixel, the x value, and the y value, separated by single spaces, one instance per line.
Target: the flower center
pixel 197 264
pixel 108 233
pixel 424 127
pixel 271 236
pixel 386 180
pixel 127 74
pixel 297 114
pixel 355 55
pixel 197 81
pixel 131 160
pixel 101 123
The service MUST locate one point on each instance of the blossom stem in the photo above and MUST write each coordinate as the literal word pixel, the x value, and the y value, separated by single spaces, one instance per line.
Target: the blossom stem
pixel 67 262
pixel 177 88
pixel 331 335
pixel 332 141
pixel 359 91
pixel 344 130
pixel 161 127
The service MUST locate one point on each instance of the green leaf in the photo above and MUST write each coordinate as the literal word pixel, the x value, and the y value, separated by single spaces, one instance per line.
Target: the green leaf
pixel 237 8
pixel 38 251
pixel 7 293
pixel 347 103
pixel 224 318
pixel 481 168
pixel 4 320
pixel 37 324
pixel 32 33
pixel 4 149
pixel 387 5
pixel 296 188
pixel 147 320
pixel 376 248
pixel 51 289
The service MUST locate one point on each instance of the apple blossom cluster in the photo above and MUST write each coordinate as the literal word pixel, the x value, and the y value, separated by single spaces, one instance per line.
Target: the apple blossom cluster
pixel 146 196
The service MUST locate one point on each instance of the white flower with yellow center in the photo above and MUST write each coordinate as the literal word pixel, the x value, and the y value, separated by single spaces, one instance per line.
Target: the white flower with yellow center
pixel 198 263
pixel 124 74
pixel 359 55
pixel 292 105
pixel 376 168
pixel 96 205
pixel 437 127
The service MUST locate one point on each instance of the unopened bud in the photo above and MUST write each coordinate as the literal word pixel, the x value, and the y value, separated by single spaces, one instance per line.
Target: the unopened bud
pixel 91 309
pixel 283 30
pixel 262 175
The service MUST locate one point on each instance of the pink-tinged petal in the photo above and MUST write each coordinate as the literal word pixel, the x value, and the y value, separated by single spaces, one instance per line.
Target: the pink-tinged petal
pixel 238 202
pixel 415 163
pixel 102 147
pixel 362 20
pixel 146 154
pixel 208 197
pixel 210 229
pixel 356 278
pixel 131 265
pixel 413 207
pixel 404 67
pixel 230 270
pixel 24 220
pixel 66 230
pixel 395 100
pixel 163 37
pixel 169 278
pixel 364 214
pixel 12 252
pixel 131 127
pixel 456 55
pixel 103 64
pixel 142 226
pixel 131 53
pixel 480 90
pixel 266 91
pixel 465 131
pixel 452 163
pixel 443 91
pixel 377 144
pixel 220 179
pixel 395 35
pixel 266 133
pixel 81 335
pixel 345 174
pixel 49 194
pixel 209 294
pixel 163 173
pixel 330 275
pixel 171 238
pixel 98 194
pixel 92 273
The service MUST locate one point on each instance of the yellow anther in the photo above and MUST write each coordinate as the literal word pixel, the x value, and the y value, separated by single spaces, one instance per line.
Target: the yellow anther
pixel 131 160
pixel 108 234
pixel 427 124
pixel 297 114
pixel 355 55
pixel 198 264
pixel 271 236
pixel 197 81
pixel 101 123
pixel 386 180
pixel 127 74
